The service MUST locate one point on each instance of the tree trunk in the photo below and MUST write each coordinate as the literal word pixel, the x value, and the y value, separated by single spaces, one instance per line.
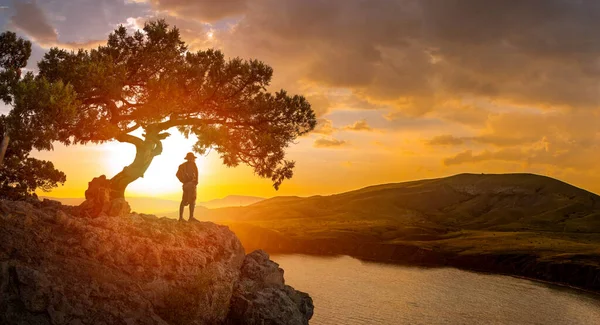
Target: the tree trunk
pixel 145 153
pixel 3 148
pixel 107 196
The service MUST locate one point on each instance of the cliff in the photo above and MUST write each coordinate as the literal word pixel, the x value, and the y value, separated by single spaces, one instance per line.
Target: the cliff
pixel 59 268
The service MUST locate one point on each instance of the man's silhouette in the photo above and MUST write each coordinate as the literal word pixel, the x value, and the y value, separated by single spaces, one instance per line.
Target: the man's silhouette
pixel 188 175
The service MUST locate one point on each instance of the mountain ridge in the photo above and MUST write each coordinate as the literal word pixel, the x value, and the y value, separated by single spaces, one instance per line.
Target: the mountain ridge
pixel 521 224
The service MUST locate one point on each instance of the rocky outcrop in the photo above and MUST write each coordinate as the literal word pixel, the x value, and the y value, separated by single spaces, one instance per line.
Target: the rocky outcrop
pixel 98 202
pixel 260 287
pixel 57 267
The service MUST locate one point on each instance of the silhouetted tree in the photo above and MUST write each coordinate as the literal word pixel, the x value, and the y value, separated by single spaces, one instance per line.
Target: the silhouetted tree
pixel 38 115
pixel 149 80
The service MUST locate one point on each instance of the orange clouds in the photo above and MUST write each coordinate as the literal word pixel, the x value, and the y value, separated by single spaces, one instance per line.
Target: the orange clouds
pixel 206 11
pixel 329 143
pixel 465 85
pixel 361 125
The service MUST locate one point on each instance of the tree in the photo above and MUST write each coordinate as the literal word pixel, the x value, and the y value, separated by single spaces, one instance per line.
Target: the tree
pixel 14 53
pixel 39 112
pixel 149 80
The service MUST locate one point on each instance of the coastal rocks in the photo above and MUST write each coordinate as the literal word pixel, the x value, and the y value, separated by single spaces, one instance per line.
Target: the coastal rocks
pixel 57 268
pixel 97 200
pixel 261 296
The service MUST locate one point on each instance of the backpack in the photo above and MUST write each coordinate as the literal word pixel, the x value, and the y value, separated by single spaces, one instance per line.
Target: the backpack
pixel 181 173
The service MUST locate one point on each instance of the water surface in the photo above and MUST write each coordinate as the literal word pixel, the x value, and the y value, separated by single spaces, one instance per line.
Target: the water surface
pixel 348 291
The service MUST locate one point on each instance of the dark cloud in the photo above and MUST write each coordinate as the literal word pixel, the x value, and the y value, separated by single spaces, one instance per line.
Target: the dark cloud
pixel 416 55
pixel 329 143
pixel 413 55
pixel 30 19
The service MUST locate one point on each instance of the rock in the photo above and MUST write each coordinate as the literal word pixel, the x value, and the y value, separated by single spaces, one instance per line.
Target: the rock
pixel 57 268
pixel 261 296
pixel 98 202
pixel 119 207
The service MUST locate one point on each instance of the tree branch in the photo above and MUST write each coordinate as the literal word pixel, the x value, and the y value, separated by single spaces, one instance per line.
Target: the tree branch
pixel 132 128
pixel 124 137
pixel 197 122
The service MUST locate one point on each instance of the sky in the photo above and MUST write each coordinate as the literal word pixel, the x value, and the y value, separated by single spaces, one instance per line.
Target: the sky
pixel 402 89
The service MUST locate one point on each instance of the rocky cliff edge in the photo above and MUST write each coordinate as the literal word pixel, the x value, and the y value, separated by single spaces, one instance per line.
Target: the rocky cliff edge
pixel 59 268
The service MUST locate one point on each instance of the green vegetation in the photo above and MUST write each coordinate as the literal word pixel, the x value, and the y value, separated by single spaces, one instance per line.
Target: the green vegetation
pixel 38 112
pixel 465 215
pixel 151 81
pixel 511 202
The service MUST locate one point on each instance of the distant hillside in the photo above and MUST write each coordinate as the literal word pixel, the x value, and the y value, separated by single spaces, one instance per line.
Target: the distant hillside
pixel 466 201
pixel 522 224
pixel 231 201
pixel 166 207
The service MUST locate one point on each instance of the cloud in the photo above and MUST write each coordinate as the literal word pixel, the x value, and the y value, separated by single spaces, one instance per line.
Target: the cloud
pixel 492 81
pixel 361 125
pixel 324 126
pixel 329 143
pixel 417 55
pixel 31 20
pixel 557 143
pixel 445 140
pixel 413 56
pixel 203 10
pixel 499 141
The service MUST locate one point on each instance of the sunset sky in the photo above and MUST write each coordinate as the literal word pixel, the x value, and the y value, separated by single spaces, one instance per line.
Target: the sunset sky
pixel 402 89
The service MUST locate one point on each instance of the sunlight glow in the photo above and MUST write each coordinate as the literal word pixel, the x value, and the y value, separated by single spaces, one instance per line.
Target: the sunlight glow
pixel 160 177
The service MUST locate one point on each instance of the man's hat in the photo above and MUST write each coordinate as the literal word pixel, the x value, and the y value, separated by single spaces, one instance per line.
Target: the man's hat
pixel 190 156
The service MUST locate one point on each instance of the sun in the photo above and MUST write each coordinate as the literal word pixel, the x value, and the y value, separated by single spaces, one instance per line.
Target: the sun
pixel 159 179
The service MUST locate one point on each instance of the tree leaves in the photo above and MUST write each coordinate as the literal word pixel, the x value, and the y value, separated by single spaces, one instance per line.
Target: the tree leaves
pixel 150 80
pixel 39 112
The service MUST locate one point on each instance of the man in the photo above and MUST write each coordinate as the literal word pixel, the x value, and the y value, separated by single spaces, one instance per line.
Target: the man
pixel 188 175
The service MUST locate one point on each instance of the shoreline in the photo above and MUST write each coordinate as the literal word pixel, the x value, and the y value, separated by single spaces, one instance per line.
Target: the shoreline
pixel 565 273
pixel 595 294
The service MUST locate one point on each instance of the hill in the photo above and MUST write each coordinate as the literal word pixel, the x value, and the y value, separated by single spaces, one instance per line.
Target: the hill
pixel 492 202
pixel 489 221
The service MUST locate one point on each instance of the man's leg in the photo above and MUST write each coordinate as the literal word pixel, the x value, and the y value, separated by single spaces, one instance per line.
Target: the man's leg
pixel 192 219
pixel 192 204
pixel 181 206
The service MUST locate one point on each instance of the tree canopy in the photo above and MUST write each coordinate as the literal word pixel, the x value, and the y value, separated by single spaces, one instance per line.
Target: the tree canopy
pixel 38 112
pixel 150 80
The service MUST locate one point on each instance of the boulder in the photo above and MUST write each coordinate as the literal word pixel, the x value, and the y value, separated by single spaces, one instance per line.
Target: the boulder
pixel 57 268
pixel 98 202
pixel 261 296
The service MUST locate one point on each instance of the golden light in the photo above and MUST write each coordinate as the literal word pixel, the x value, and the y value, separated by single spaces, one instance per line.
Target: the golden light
pixel 159 179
